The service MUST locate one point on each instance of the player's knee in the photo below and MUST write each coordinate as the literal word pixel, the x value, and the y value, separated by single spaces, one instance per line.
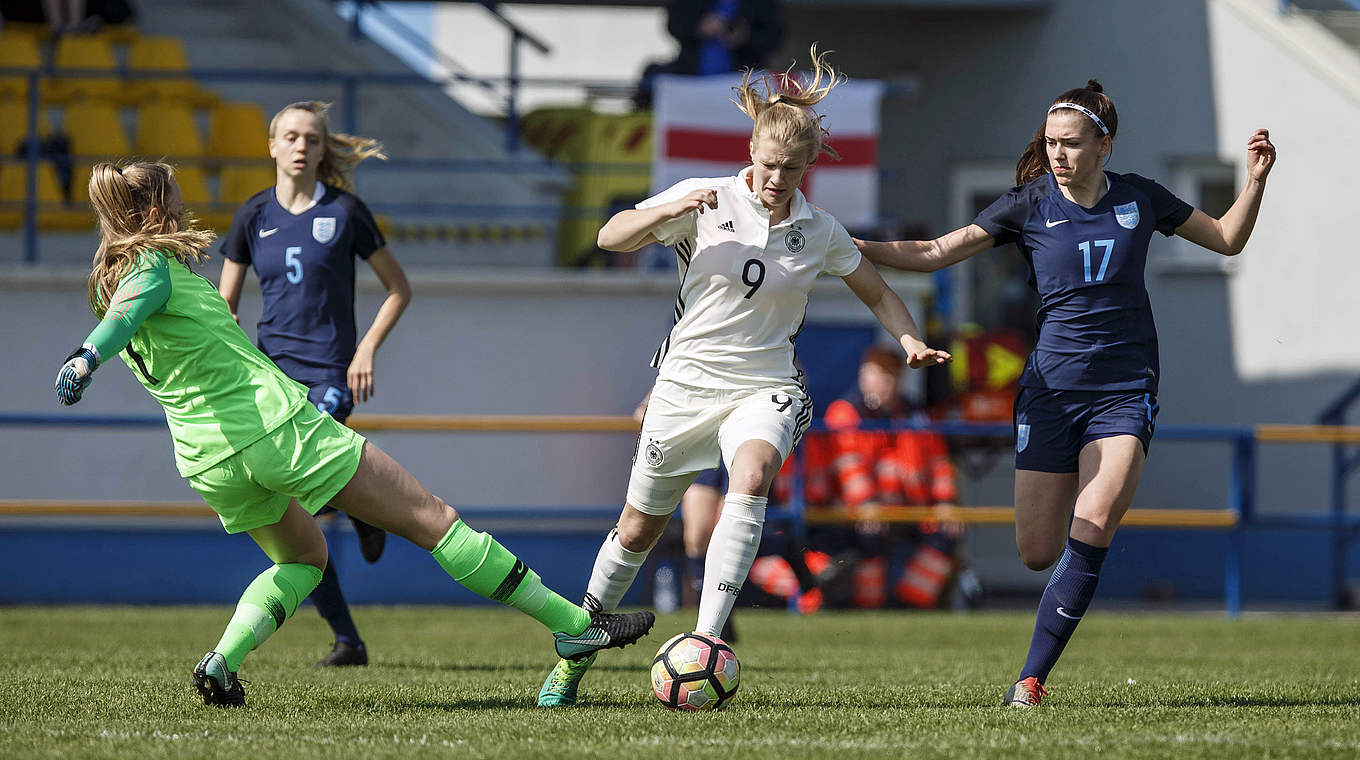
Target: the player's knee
pixel 639 535
pixel 316 556
pixel 755 481
pixel 1037 557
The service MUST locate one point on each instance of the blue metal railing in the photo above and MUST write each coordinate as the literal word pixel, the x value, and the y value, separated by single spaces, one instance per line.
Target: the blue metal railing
pixel 518 36
pixel 1344 465
pixel 1241 499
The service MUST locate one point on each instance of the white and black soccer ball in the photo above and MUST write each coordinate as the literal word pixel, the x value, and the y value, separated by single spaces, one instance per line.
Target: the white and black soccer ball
pixel 694 671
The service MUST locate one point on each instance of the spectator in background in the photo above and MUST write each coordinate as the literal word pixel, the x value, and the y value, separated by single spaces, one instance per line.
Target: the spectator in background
pixel 716 37
pixel 873 468
pixel 860 471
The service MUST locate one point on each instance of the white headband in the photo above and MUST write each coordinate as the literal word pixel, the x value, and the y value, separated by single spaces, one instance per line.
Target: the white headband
pixel 1084 110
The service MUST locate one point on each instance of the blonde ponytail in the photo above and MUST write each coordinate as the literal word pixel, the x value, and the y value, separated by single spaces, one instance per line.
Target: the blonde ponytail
pixel 123 198
pixel 781 106
pixel 340 152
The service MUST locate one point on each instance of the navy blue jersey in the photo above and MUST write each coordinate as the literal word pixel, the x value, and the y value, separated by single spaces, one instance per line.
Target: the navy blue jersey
pixel 305 263
pixel 1094 323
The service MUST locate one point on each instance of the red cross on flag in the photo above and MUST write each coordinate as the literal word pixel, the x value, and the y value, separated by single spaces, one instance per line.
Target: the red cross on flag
pixel 698 132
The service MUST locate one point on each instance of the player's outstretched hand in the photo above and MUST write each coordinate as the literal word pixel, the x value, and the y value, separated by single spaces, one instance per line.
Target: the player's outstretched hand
pixel 75 375
pixel 697 200
pixel 1260 155
pixel 927 357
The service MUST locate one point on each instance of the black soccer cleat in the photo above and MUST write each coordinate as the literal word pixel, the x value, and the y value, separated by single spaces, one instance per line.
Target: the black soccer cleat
pixel 217 685
pixel 342 655
pixel 371 540
pixel 606 631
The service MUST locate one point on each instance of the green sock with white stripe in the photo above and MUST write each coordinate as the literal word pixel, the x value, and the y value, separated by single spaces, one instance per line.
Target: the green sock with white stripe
pixel 269 600
pixel 483 566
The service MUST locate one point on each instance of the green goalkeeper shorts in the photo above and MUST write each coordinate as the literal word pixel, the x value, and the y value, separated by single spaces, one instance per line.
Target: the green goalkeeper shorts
pixel 310 457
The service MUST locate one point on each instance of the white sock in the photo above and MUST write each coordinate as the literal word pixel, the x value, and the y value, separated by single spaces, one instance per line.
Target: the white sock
pixel 730 554
pixel 614 571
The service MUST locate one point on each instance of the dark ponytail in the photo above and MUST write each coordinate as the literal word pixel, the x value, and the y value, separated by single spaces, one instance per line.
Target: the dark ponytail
pixel 1033 161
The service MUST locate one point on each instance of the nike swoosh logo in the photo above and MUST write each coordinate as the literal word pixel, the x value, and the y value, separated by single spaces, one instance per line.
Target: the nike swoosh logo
pixel 1047 223
pixel 267 233
pixel 1062 612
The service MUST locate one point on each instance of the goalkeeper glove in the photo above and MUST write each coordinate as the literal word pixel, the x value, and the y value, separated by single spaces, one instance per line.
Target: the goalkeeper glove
pixel 75 375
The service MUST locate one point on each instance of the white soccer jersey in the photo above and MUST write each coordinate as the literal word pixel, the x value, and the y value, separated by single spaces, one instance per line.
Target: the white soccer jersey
pixel 743 283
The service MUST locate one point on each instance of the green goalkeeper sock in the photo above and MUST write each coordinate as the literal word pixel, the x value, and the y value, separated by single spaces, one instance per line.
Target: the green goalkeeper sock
pixel 269 600
pixel 483 566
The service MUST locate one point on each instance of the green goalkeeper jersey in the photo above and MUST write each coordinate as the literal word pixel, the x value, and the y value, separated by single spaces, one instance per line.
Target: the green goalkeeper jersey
pixel 175 333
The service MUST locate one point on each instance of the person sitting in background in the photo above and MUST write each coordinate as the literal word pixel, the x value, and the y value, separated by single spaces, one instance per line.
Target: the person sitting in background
pixel 862 470
pixel 716 37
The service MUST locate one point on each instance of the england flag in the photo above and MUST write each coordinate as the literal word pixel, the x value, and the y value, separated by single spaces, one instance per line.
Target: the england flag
pixel 698 132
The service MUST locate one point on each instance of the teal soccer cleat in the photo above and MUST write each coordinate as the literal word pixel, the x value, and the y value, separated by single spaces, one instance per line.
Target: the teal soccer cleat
pixel 559 690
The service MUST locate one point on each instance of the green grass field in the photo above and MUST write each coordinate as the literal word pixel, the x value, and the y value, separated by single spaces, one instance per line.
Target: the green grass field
pixel 113 682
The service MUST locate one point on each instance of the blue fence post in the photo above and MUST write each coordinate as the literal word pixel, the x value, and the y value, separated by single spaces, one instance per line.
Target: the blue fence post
pixel 1340 536
pixel 512 90
pixel 1241 494
pixel 31 165
pixel 349 89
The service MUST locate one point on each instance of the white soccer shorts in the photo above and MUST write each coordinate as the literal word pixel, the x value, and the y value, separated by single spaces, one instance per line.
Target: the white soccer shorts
pixel 687 429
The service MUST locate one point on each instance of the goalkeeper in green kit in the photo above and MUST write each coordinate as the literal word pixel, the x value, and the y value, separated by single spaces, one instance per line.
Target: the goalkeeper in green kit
pixel 258 453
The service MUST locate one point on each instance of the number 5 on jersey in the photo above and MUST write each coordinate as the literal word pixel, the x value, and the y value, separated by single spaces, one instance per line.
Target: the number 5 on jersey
pixel 290 257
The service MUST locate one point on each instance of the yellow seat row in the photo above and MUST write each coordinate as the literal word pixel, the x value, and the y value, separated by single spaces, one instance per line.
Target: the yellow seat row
pixel 164 129
pixel 95 53
pixel 235 184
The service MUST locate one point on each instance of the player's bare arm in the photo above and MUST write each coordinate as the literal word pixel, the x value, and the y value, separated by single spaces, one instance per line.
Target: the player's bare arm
pixel 360 374
pixel 230 283
pixel 1228 235
pixel 887 306
pixel 631 229
pixel 927 255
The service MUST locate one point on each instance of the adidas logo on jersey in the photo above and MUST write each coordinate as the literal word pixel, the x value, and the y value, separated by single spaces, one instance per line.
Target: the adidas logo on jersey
pixel 727 227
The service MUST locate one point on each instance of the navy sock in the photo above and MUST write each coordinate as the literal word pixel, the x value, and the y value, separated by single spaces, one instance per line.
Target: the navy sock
pixel 695 569
pixel 1065 600
pixel 331 604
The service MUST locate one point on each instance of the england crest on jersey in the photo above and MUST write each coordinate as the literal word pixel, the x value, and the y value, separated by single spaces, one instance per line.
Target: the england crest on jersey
pixel 323 229
pixel 1021 437
pixel 1127 215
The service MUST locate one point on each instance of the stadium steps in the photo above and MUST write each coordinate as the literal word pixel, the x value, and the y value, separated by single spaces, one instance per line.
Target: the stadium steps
pixel 419 121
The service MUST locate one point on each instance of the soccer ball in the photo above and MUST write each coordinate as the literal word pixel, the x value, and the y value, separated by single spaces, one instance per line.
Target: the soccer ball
pixel 695 672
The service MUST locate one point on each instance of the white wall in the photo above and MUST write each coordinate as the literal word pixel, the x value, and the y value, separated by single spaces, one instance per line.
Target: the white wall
pixel 1293 296
pixel 471 343
pixel 588 42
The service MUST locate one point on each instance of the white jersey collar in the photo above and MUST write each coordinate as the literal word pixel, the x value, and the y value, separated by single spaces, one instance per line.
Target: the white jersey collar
pixel 799 208
pixel 317 194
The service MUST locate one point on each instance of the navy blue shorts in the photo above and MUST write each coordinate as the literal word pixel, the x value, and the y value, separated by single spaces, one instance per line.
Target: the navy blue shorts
pixel 1052 426
pixel 715 478
pixel 332 397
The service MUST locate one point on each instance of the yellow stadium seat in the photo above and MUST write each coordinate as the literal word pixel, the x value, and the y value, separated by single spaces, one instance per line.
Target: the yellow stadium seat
pixel 95 129
pixel 193 185
pixel 14 123
pixel 83 52
pixel 53 210
pixel 167 129
pixel 238 130
pixel 158 53
pixel 18 51
pixel 238 183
